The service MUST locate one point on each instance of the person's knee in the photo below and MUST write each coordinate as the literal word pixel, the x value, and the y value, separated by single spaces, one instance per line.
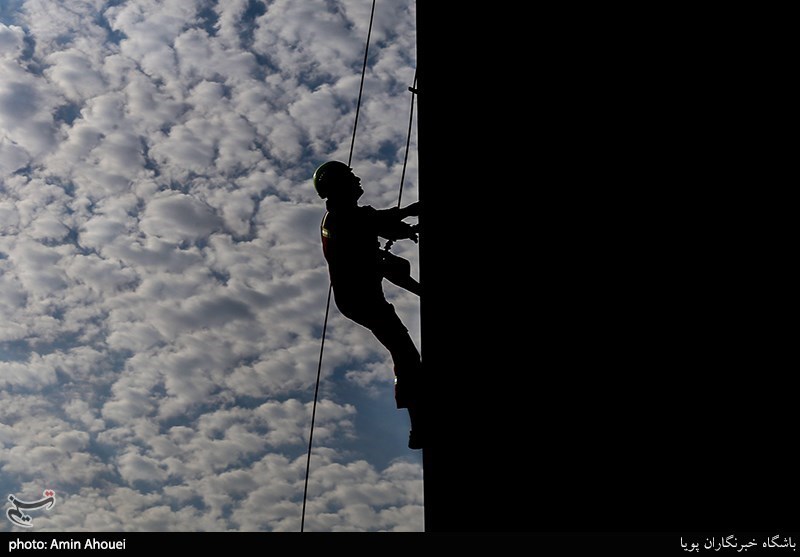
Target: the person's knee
pixel 397 267
pixel 403 266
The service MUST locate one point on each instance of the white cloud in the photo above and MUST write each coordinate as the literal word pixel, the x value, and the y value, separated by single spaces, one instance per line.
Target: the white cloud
pixel 73 74
pixel 177 217
pixel 37 371
pixel 101 275
pixel 11 40
pixel 9 217
pixel 134 467
pixel 37 267
pixel 162 284
pixel 12 156
pixel 26 108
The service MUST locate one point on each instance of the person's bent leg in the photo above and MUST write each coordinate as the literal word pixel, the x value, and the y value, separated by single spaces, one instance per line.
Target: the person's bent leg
pixel 398 271
pixel 382 320
pixel 391 332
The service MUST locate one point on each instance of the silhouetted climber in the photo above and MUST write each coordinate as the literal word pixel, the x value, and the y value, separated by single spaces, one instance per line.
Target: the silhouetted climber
pixel 357 267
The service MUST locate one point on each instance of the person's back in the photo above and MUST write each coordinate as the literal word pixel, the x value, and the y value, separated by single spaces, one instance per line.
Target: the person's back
pixel 351 247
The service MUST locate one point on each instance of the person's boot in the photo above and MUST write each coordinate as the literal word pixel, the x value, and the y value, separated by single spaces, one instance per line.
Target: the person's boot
pixel 416 437
pixel 402 395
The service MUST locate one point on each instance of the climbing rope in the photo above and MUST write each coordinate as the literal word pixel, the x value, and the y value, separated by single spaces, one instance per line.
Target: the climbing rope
pixel 330 286
pixel 413 90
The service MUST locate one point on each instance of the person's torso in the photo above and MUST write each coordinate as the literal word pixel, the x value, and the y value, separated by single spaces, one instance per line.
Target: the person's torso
pixel 351 247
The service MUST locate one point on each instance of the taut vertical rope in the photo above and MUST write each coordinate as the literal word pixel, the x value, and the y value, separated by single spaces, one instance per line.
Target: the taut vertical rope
pixel 413 90
pixel 330 286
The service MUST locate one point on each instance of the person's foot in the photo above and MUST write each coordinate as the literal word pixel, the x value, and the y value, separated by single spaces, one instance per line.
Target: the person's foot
pixel 416 440
pixel 407 393
pixel 402 396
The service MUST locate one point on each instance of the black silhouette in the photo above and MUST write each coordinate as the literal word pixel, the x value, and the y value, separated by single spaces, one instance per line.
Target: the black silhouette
pixel 357 267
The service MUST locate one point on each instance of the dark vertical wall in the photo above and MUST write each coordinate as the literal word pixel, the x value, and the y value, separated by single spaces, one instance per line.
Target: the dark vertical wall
pixel 468 332
pixel 597 355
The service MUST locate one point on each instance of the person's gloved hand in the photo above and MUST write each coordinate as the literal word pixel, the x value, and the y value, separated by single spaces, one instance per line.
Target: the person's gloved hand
pixel 412 210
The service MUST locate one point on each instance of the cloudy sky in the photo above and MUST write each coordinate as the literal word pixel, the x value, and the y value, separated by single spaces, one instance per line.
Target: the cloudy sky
pixel 162 285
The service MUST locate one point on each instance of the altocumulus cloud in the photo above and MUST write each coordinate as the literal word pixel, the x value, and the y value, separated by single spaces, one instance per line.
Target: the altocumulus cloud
pixel 162 286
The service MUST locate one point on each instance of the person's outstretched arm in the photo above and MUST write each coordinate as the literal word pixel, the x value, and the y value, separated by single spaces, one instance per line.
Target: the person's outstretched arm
pixel 391 226
pixel 410 210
